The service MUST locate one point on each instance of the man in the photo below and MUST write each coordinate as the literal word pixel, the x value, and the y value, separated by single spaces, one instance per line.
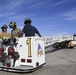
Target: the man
pixel 28 29
pixel 4 33
pixel 15 31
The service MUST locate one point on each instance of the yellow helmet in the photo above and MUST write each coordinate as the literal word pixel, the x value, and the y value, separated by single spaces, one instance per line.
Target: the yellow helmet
pixel 12 24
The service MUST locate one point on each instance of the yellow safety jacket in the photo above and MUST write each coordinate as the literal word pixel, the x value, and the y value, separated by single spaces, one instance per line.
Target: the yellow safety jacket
pixel 4 35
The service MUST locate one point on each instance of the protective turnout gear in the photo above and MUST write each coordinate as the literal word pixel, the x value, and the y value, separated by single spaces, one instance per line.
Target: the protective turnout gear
pixel 12 24
pixel 15 33
pixel 27 21
pixel 4 35
pixel 4 27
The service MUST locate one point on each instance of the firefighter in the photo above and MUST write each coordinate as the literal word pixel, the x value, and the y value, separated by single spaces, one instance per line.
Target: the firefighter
pixel 15 31
pixel 28 29
pixel 4 33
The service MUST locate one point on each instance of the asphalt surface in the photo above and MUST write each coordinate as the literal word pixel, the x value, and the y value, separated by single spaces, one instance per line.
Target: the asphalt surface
pixel 58 62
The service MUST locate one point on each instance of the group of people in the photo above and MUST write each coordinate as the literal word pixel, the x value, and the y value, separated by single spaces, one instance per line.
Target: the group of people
pixel 28 30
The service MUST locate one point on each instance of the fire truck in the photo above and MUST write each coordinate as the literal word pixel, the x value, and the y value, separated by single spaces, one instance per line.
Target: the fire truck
pixel 65 41
pixel 25 54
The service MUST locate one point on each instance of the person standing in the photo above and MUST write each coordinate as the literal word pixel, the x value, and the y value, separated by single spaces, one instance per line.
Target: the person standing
pixel 15 31
pixel 4 33
pixel 29 30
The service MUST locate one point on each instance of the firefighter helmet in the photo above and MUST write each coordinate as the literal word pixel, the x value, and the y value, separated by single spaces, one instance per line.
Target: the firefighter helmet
pixel 12 24
pixel 4 27
pixel 27 20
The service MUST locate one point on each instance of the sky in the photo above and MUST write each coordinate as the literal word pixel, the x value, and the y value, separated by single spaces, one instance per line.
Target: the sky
pixel 50 17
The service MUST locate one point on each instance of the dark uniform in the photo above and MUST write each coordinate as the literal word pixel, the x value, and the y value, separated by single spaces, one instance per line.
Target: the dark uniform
pixel 30 30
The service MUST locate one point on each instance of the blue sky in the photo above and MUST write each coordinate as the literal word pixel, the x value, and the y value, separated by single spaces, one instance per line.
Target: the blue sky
pixel 50 17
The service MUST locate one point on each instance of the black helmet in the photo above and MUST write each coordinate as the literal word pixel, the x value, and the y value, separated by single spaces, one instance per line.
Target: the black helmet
pixel 27 20
pixel 12 24
pixel 4 26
